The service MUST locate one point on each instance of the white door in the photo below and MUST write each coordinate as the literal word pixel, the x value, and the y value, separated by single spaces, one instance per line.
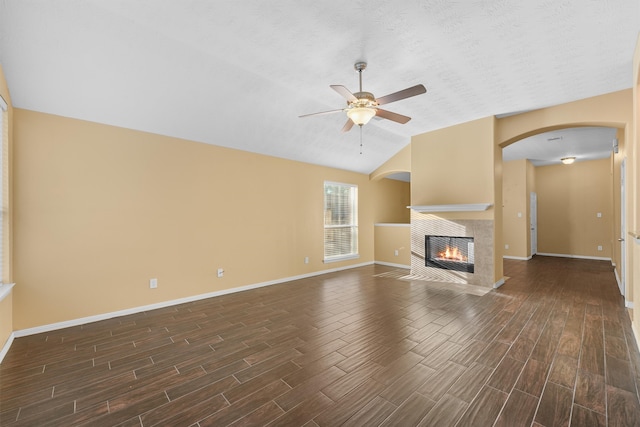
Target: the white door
pixel 534 222
pixel 623 227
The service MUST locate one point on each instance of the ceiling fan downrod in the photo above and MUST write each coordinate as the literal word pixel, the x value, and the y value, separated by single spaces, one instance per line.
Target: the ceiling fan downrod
pixel 360 67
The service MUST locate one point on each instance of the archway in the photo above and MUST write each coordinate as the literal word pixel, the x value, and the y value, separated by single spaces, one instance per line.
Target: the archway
pixel 607 111
pixel 577 200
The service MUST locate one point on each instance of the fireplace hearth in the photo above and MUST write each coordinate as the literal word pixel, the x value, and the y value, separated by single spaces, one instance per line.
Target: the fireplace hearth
pixel 449 253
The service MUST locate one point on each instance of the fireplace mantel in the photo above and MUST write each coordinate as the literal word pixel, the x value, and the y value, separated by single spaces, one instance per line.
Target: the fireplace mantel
pixel 468 207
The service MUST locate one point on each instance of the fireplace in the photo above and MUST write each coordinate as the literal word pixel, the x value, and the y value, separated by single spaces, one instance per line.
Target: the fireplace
pixel 449 253
pixel 477 234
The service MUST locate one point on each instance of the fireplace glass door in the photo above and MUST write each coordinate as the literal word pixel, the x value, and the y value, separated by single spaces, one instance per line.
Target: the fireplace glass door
pixel 449 253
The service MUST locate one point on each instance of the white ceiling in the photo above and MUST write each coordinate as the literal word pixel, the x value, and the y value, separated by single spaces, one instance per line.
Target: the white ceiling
pixel 239 73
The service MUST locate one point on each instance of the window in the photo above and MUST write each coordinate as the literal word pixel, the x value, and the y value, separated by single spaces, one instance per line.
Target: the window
pixel 4 144
pixel 340 221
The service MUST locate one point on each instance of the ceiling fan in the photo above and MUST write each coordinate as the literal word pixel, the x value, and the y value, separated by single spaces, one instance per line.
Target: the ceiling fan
pixel 362 106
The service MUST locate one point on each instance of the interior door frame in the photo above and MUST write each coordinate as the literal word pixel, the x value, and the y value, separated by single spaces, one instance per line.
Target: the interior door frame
pixel 533 222
pixel 623 226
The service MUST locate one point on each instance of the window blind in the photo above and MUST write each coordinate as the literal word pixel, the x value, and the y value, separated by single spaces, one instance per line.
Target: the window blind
pixel 340 221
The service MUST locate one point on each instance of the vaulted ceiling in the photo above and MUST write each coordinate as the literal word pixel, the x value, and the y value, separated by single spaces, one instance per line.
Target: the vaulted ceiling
pixel 239 73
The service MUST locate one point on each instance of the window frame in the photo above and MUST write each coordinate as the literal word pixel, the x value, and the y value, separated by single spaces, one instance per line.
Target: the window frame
pixel 4 225
pixel 353 224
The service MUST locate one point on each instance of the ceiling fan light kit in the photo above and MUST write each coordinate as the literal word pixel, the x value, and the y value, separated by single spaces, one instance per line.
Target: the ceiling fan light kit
pixel 361 115
pixel 363 106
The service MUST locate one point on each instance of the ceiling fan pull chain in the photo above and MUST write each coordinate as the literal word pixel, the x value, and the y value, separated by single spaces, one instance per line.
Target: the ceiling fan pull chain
pixel 360 139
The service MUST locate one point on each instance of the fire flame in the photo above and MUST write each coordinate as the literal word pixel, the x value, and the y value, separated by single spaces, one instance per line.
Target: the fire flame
pixel 452 254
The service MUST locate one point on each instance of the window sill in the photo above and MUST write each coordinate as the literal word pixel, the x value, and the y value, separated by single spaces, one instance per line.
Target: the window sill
pixel 340 258
pixel 465 207
pixel 5 290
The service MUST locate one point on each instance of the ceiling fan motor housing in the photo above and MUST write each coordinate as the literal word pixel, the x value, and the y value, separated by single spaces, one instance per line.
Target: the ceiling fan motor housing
pixel 365 99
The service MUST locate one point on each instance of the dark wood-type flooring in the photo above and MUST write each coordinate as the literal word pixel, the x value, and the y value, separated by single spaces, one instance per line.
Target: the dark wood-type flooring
pixel 552 347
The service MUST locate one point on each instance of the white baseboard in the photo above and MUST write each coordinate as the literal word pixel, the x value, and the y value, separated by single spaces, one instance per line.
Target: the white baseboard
pixel 390 264
pixel 499 283
pixel 575 256
pixel 615 273
pixel 6 347
pixel 521 258
pixel 133 310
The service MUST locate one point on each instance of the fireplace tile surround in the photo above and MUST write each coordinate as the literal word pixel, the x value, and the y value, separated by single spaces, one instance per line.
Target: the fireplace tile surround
pixel 482 232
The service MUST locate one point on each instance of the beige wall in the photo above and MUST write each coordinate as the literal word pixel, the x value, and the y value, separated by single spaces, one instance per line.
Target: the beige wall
pixel 455 165
pixel 565 191
pixel 391 198
pixel 399 162
pixel 612 109
pixel 6 305
pixel 569 197
pixel 391 238
pixel 515 202
pixel 100 210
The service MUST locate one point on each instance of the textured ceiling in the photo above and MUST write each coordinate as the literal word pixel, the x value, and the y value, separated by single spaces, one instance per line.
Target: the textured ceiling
pixel 239 73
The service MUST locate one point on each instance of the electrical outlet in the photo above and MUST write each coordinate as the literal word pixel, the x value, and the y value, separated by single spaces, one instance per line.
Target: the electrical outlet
pixel 599 247
pixel 506 246
pixel 519 214
pixel 306 260
pixel 599 215
pixel 395 252
pixel 220 272
pixel 153 283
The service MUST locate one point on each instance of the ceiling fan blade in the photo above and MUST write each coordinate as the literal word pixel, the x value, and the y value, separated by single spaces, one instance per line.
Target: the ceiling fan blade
pixel 347 126
pixel 346 93
pixel 321 113
pixel 399 118
pixel 406 93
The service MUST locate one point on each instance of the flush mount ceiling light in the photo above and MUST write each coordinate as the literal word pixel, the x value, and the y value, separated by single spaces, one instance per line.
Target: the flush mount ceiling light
pixel 362 106
pixel 568 160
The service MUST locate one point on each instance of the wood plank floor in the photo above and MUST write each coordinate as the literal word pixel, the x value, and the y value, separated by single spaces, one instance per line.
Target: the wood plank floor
pixel 552 347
